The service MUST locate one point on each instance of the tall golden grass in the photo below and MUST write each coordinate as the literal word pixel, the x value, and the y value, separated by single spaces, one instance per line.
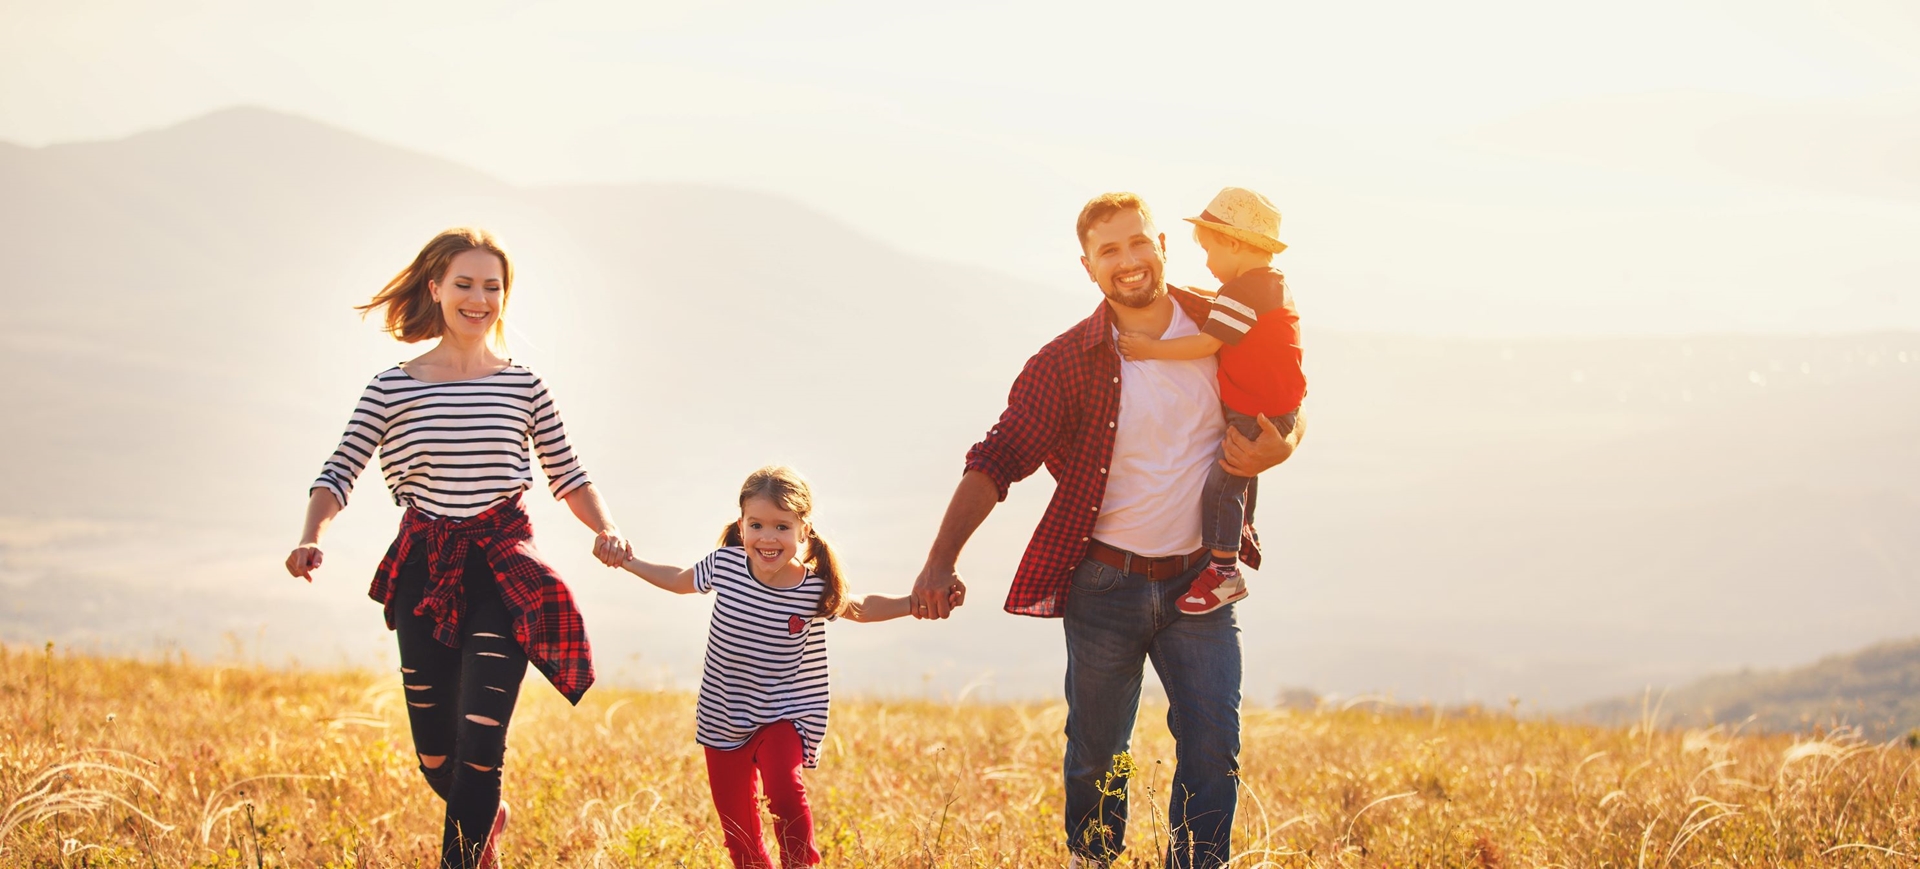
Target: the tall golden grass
pixel 115 762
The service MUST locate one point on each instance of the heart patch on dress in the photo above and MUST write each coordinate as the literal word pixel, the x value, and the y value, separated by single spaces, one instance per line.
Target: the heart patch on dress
pixel 795 625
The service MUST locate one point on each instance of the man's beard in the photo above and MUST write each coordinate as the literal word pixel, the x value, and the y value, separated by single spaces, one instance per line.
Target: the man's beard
pixel 1150 292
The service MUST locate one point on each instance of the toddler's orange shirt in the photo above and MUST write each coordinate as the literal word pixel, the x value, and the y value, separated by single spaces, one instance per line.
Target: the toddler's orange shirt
pixel 1254 318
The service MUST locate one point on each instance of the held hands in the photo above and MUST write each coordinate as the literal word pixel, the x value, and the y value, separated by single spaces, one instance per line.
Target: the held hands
pixel 937 592
pixel 611 548
pixel 304 560
pixel 1248 457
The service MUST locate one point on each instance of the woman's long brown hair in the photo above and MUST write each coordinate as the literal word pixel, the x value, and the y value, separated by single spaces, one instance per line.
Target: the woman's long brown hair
pixel 410 311
pixel 789 491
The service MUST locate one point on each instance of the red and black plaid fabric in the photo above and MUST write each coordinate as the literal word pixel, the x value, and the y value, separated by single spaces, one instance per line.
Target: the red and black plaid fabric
pixel 1061 413
pixel 545 621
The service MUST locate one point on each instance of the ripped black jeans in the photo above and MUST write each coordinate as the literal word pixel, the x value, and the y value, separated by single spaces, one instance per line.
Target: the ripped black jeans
pixel 460 701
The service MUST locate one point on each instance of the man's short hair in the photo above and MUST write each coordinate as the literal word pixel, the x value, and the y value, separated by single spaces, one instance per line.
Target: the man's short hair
pixel 1106 205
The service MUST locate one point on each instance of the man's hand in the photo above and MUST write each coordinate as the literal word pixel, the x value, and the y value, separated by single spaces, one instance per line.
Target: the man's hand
pixel 1248 457
pixel 937 591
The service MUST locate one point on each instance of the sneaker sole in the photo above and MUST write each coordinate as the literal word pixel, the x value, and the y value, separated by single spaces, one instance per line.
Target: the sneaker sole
pixel 1201 612
pixel 490 857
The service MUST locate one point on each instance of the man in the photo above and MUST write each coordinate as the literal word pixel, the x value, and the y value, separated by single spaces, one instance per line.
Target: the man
pixel 1129 445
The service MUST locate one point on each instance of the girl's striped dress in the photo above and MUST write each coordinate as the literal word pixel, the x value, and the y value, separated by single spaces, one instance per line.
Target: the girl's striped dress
pixel 766 656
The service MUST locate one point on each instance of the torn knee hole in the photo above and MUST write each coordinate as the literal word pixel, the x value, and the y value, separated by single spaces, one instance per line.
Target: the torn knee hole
pixel 408 670
pixel 482 719
pixel 501 690
pixel 491 655
pixel 421 705
pixel 432 761
pixel 495 636
pixel 478 768
pixel 418 687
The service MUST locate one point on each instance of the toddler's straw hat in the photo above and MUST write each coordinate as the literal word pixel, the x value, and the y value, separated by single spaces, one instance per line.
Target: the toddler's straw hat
pixel 1243 215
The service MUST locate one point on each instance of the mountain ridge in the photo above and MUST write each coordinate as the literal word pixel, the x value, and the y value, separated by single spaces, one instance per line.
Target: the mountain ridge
pixel 1469 519
pixel 1876 688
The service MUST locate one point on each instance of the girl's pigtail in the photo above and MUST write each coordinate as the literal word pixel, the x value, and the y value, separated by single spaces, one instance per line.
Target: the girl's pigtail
pixel 825 563
pixel 731 536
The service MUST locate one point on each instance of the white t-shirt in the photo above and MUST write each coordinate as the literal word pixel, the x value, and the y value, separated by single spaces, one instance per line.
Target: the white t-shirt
pixel 1166 438
pixel 766 656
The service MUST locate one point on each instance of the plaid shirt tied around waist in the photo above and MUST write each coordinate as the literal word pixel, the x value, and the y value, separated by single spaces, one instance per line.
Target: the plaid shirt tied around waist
pixel 545 621
pixel 1061 413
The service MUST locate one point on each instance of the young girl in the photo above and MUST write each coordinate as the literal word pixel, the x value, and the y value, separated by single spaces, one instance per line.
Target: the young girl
pixel 469 599
pixel 763 692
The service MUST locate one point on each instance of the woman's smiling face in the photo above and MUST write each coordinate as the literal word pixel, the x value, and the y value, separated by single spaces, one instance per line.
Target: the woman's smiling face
pixel 772 535
pixel 472 293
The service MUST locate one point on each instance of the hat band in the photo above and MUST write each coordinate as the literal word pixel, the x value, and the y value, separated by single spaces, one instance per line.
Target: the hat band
pixel 1210 217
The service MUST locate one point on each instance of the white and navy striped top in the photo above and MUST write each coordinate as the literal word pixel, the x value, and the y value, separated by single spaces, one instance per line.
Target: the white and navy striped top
pixel 766 656
pixel 454 449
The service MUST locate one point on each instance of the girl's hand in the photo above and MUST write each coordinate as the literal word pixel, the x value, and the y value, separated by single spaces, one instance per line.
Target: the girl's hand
pixel 611 548
pixel 304 560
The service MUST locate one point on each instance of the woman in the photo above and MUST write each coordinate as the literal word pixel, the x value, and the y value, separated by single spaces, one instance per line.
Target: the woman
pixel 468 598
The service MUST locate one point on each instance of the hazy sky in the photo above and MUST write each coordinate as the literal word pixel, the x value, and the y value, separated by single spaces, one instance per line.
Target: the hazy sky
pixel 1471 168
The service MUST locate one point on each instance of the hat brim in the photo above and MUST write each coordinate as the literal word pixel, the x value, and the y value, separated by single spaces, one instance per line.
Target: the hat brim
pixel 1266 243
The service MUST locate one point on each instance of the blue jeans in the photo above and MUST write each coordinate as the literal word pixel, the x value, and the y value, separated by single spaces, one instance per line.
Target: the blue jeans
pixel 1227 501
pixel 1115 622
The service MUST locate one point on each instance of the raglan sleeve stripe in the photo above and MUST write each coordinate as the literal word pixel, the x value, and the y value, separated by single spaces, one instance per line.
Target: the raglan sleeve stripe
pixel 1226 326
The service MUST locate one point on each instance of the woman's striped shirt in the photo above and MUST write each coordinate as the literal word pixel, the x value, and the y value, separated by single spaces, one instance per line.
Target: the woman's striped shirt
pixel 766 656
pixel 454 449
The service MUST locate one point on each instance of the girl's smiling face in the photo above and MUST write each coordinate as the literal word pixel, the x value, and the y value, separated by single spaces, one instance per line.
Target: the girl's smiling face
pixel 771 535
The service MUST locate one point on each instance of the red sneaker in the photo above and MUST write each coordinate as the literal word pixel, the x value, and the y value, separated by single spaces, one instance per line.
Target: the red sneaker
pixel 1211 591
pixel 490 856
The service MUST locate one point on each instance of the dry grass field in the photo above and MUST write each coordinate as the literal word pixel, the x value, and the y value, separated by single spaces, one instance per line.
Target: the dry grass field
pixel 114 762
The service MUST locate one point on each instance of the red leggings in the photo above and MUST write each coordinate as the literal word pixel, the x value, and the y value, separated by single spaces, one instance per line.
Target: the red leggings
pixel 774 756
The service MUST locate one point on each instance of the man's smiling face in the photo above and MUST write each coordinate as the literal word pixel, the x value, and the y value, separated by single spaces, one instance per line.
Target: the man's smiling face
pixel 1127 257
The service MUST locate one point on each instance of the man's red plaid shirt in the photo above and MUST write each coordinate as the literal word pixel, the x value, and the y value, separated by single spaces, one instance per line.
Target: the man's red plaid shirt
pixel 1061 413
pixel 545 621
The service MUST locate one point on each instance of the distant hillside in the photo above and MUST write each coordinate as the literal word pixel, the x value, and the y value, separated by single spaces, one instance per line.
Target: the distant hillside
pixel 1561 520
pixel 1876 688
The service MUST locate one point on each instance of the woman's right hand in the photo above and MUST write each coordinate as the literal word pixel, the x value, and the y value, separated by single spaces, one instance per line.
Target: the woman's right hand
pixel 322 506
pixel 304 560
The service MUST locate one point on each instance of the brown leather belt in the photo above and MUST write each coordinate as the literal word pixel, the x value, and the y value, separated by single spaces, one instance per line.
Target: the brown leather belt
pixel 1156 569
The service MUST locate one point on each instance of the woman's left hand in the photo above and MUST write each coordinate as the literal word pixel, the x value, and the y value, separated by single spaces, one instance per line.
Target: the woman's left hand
pixel 611 548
